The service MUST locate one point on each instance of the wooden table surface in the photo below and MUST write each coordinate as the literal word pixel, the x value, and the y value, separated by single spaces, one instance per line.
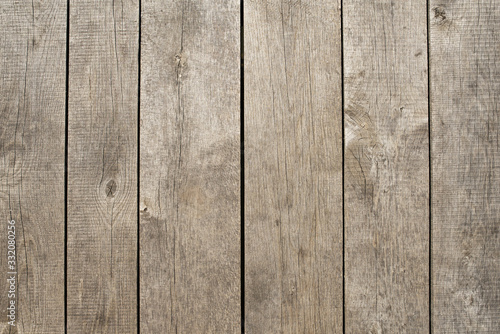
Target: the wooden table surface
pixel 263 166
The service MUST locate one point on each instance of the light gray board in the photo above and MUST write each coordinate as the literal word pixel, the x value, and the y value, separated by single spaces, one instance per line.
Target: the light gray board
pixel 32 114
pixel 190 167
pixel 293 167
pixel 465 90
pixel 102 167
pixel 386 167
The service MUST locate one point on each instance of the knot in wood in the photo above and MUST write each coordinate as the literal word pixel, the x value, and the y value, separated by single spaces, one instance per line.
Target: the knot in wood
pixel 111 188
pixel 439 13
pixel 180 60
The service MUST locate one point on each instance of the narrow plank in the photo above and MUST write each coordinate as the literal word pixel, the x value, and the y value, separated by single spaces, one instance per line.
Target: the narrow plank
pixel 190 167
pixel 102 167
pixel 293 167
pixel 465 82
pixel 386 167
pixel 32 110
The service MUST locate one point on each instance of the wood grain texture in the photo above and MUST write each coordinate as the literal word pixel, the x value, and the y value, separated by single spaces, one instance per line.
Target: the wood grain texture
pixel 190 167
pixel 32 100
pixel 386 167
pixel 102 166
pixel 293 167
pixel 465 82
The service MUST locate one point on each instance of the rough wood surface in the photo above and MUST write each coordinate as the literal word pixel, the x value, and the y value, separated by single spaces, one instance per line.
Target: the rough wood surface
pixel 465 82
pixel 32 99
pixel 386 167
pixel 293 167
pixel 190 167
pixel 102 167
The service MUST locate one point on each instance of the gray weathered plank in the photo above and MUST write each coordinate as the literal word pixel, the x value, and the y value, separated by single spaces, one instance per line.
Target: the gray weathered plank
pixel 102 166
pixel 293 167
pixel 465 82
pixel 386 167
pixel 190 167
pixel 32 99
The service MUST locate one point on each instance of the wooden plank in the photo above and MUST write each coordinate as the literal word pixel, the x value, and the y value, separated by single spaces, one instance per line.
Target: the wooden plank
pixel 386 167
pixel 102 166
pixel 465 82
pixel 190 167
pixel 32 113
pixel 293 167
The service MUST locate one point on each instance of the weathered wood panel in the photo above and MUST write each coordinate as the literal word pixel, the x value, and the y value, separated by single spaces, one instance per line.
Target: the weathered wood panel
pixel 386 167
pixel 102 166
pixel 32 113
pixel 190 167
pixel 293 167
pixel 465 97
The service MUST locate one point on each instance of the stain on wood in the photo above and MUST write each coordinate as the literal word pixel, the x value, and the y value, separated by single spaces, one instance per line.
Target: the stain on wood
pixel 102 167
pixel 386 167
pixel 293 167
pixel 465 83
pixel 190 167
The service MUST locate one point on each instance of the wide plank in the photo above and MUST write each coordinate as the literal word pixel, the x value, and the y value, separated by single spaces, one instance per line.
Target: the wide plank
pixel 293 167
pixel 465 100
pixel 190 167
pixel 102 167
pixel 32 136
pixel 386 167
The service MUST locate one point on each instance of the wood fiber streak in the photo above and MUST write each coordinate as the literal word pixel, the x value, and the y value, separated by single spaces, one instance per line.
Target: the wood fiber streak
pixel 32 99
pixel 465 83
pixel 386 167
pixel 102 167
pixel 293 167
pixel 190 167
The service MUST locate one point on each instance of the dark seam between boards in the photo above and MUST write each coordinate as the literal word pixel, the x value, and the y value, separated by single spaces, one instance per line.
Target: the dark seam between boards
pixel 66 132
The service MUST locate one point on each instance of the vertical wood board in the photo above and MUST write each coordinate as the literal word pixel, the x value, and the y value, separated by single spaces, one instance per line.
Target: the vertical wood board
pixel 465 83
pixel 386 167
pixel 293 167
pixel 32 113
pixel 102 167
pixel 190 167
